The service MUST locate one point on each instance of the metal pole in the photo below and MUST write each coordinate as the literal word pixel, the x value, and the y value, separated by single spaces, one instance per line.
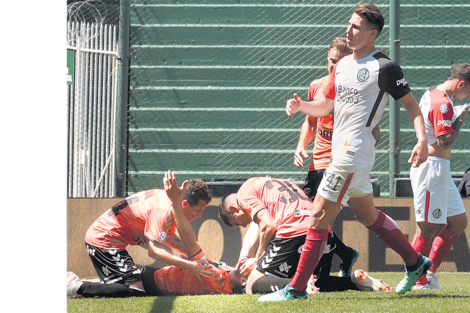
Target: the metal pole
pixel 122 100
pixel 394 134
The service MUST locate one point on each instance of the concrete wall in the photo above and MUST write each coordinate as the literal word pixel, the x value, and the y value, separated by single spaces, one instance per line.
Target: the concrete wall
pixel 223 243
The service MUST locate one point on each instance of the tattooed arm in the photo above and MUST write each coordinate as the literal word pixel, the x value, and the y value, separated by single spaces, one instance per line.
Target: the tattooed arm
pixel 446 141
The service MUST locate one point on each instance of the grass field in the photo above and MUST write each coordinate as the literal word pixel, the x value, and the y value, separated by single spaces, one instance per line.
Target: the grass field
pixel 454 297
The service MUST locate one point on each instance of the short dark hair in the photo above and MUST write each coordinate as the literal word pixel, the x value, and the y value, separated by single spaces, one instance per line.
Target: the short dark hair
pixel 224 211
pixel 196 190
pixel 341 45
pixel 372 14
pixel 461 72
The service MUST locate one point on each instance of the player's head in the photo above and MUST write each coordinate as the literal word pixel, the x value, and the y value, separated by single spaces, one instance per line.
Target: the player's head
pixel 195 197
pixel 460 74
pixel 338 49
pixel 237 281
pixel 365 25
pixel 230 212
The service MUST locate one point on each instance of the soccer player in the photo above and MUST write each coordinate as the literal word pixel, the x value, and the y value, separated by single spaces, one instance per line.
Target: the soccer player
pixel 436 198
pixel 144 218
pixel 321 128
pixel 279 210
pixel 358 90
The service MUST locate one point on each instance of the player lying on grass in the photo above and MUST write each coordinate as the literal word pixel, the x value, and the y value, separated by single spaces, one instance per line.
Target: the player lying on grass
pixel 145 218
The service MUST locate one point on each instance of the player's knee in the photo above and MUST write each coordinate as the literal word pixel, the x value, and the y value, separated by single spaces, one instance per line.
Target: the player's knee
pixel 458 224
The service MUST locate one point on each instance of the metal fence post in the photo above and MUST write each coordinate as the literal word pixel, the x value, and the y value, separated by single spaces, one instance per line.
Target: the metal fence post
pixel 394 122
pixel 122 100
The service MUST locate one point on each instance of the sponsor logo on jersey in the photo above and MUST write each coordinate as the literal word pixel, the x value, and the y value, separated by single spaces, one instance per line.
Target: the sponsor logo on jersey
pixel 402 81
pixel 444 108
pixel 445 123
pixel 284 267
pixel 363 75
pixel 346 94
pixel 298 212
pixel 350 153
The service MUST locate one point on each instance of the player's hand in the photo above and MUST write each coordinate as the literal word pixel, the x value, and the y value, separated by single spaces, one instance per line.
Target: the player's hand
pixel 247 266
pixel 293 105
pixel 419 154
pixel 172 189
pixel 201 268
pixel 299 156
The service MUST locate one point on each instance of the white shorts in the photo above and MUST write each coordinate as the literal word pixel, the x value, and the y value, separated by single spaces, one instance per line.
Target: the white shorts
pixel 435 195
pixel 339 185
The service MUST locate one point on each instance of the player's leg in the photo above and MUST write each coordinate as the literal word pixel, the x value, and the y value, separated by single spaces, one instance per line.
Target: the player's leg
pixel 118 274
pixel 389 232
pixel 422 244
pixel 347 254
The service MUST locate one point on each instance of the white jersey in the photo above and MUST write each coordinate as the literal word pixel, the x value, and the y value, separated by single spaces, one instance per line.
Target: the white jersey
pixel 361 89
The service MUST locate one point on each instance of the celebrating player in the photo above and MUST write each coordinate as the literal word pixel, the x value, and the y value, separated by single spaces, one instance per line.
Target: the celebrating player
pixel 436 198
pixel 144 218
pixel 358 90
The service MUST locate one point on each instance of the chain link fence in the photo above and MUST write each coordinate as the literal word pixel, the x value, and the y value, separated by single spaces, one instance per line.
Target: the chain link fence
pixel 209 81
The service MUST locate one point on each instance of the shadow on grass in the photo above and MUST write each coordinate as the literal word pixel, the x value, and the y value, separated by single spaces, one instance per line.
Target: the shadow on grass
pixel 163 305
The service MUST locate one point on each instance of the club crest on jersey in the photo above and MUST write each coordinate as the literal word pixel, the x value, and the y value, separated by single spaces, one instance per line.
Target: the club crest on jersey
pixel 444 109
pixel 363 75
pixel 162 237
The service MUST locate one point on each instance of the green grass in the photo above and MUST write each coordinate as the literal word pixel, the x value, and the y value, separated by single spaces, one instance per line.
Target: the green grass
pixel 454 297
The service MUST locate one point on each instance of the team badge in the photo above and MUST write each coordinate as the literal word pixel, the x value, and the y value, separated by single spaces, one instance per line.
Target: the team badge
pixel 162 237
pixel 363 75
pixel 436 213
pixel 444 109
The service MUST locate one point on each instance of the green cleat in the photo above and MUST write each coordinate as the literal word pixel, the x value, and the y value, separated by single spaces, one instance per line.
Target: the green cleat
pixel 286 293
pixel 412 276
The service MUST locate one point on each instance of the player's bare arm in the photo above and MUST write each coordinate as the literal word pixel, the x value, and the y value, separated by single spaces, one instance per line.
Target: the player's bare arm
pixel 250 244
pixel 376 134
pixel 267 229
pixel 420 152
pixel 307 133
pixel 198 267
pixel 316 108
pixel 445 142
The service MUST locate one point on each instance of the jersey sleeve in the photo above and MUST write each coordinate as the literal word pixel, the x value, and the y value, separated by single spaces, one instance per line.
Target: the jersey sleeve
pixel 391 79
pixel 248 198
pixel 329 91
pixel 315 87
pixel 441 118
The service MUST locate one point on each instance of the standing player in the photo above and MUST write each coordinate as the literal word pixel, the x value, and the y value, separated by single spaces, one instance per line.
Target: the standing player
pixel 322 129
pixel 358 90
pixel 436 198
pixel 144 218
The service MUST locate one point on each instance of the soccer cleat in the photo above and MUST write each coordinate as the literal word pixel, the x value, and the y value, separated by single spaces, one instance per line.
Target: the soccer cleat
pixel 73 283
pixel 432 280
pixel 367 283
pixel 346 265
pixel 284 294
pixel 421 287
pixel 412 276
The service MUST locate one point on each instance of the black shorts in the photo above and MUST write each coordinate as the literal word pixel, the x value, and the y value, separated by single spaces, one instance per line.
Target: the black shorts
pixel 281 257
pixel 312 182
pixel 114 266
